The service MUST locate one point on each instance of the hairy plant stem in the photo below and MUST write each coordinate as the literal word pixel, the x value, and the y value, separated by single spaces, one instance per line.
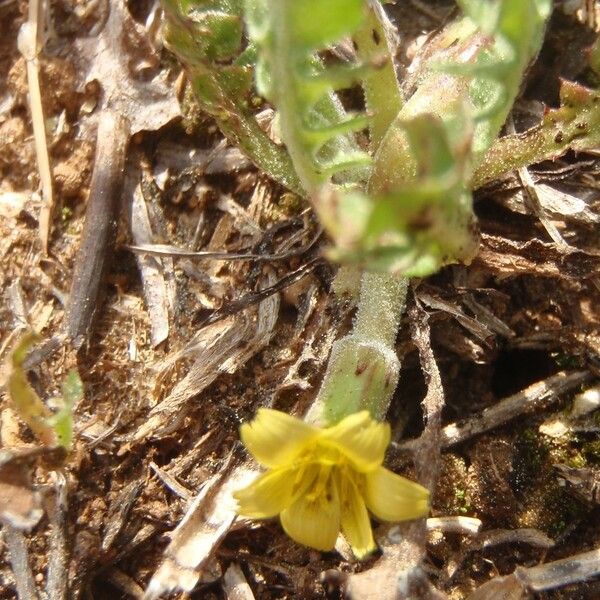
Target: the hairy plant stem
pixel 363 367
pixel 381 304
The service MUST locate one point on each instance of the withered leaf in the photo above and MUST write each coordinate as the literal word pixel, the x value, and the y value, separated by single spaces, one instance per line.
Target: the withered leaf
pixel 125 64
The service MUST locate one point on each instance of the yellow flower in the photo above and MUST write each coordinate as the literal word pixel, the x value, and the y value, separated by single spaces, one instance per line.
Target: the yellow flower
pixel 321 481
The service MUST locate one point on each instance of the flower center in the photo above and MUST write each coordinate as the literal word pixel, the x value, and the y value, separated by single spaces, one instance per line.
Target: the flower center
pixel 325 475
pixel 321 488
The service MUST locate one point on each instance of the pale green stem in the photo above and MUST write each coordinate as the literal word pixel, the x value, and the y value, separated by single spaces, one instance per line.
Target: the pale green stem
pixel 380 307
pixel 573 128
pixel 244 131
pixel 363 367
pixel 383 97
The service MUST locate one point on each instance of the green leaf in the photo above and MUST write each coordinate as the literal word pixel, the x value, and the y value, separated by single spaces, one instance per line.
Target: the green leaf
pixel 72 388
pixel 62 421
pixel 516 28
pixel 375 45
pixel 25 399
pixel 318 23
pixel 222 36
pixel 50 429
pixel 314 126
pixel 207 35
pixel 418 227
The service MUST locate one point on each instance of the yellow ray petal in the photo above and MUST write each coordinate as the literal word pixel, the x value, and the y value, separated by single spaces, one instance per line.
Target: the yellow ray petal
pixel 355 519
pixel 362 439
pixel 315 524
pixel 267 495
pixel 391 497
pixel 275 438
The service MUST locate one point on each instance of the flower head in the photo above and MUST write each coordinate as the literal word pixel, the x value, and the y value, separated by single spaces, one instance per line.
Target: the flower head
pixel 321 481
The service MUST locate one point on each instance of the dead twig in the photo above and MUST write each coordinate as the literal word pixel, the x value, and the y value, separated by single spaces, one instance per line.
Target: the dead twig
pixel 152 271
pixel 100 225
pixel 536 396
pixel 57 586
pixel 252 298
pixel 573 569
pixel 525 535
pixel 19 560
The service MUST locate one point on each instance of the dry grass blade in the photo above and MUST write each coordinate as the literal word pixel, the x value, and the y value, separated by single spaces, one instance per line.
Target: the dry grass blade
pixel 165 250
pixel 151 271
pixel 171 482
pixel 564 206
pixel 235 585
pixel 475 326
pixel 531 194
pixel 58 562
pixel 30 37
pixel 462 525
pixel 487 318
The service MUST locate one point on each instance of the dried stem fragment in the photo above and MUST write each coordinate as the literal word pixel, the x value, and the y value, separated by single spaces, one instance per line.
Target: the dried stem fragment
pixel 100 225
pixel 534 397
pixel 15 540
